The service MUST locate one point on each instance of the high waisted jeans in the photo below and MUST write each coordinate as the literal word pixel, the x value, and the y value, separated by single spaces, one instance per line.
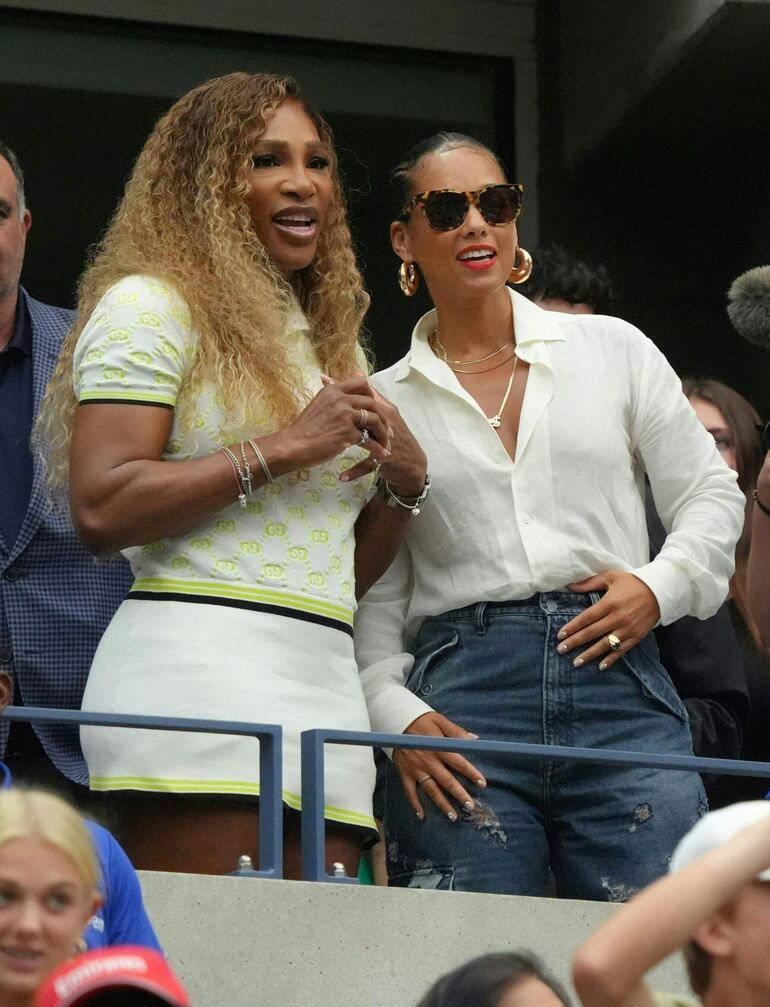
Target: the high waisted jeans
pixel 603 831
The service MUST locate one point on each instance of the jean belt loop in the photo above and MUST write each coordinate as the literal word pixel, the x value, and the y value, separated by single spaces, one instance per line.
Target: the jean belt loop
pixel 480 617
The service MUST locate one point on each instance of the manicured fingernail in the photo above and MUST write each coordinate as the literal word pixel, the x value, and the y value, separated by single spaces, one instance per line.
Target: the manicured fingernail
pixel 603 666
pixel 577 662
pixel 481 782
pixel 561 634
pixel 451 816
pixel 420 815
pixel 344 477
pixel 469 805
pixel 391 431
pixel 473 735
pixel 562 648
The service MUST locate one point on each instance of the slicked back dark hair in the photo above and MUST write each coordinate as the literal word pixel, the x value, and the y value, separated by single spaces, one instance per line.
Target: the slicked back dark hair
pixel 18 174
pixel 401 175
pixel 482 981
pixel 557 274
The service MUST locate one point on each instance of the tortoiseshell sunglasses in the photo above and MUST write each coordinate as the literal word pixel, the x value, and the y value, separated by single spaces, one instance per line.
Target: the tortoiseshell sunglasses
pixel 446 209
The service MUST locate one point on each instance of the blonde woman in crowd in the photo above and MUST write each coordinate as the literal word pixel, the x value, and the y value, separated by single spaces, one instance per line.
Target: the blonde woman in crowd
pixel 212 416
pixel 48 889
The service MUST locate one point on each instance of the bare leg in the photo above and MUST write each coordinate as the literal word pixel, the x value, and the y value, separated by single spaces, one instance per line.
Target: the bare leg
pixel 206 834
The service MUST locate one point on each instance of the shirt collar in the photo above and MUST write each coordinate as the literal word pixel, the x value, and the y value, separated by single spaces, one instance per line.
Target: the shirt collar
pixel 535 329
pixel 21 337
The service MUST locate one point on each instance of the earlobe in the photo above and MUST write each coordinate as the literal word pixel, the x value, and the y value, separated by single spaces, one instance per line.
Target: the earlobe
pixel 400 240
pixel 716 936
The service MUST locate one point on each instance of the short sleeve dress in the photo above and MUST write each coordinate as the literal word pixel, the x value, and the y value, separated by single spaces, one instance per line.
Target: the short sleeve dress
pixel 247 617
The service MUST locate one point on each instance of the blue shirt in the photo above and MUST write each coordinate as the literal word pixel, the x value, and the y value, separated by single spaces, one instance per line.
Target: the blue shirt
pixel 121 918
pixel 15 426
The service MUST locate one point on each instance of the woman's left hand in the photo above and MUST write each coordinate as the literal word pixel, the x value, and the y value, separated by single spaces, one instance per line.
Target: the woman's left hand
pixel 628 611
pixel 405 469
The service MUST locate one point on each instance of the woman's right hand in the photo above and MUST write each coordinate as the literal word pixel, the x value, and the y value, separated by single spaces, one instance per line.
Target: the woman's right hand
pixel 414 765
pixel 332 422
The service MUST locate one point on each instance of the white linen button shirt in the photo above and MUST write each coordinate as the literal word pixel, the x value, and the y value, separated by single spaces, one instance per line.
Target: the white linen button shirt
pixel 602 406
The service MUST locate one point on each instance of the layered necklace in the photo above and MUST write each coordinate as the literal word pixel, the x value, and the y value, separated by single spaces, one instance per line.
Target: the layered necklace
pixel 440 350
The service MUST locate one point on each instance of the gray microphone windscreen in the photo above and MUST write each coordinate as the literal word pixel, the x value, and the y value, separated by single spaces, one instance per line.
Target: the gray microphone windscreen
pixel 748 305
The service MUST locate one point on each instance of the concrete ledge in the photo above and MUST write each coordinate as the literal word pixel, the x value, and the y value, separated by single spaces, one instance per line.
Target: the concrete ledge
pixel 245 942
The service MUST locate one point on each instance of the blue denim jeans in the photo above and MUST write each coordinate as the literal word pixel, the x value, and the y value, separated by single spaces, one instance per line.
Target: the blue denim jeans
pixel 598 832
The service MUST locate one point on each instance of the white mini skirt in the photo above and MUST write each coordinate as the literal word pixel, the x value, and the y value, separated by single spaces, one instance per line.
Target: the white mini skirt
pixel 183 659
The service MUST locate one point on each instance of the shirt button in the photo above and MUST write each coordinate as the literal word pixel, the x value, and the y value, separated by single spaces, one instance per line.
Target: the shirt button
pixel 526 519
pixel 6 655
pixel 12 573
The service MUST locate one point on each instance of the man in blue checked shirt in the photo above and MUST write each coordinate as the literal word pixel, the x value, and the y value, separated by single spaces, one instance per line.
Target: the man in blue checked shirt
pixel 55 598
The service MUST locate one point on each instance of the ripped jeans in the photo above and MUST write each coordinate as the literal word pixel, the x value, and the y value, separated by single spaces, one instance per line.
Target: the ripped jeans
pixel 600 832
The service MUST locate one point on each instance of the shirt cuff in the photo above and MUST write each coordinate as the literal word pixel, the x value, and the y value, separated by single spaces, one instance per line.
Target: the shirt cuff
pixel 394 709
pixel 671 586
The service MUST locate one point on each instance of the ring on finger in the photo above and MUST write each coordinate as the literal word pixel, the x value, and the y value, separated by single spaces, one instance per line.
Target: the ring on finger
pixel 363 438
pixel 614 641
pixel 376 466
pixel 364 421
pixel 423 779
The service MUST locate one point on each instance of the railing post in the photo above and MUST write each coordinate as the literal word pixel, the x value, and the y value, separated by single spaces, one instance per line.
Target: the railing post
pixel 313 824
pixel 271 804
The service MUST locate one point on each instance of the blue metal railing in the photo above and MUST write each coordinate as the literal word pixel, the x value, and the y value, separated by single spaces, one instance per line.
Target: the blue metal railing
pixel 270 762
pixel 313 752
pixel 313 742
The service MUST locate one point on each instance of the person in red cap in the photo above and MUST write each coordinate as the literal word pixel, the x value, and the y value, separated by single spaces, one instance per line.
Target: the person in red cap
pixel 129 976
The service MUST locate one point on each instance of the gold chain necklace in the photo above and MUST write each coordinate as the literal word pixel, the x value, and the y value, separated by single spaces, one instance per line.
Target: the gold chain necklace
pixel 478 360
pixel 494 421
pixel 485 370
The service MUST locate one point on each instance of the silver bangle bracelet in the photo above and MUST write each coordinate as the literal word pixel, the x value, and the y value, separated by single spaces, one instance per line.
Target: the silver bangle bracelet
pixel 262 462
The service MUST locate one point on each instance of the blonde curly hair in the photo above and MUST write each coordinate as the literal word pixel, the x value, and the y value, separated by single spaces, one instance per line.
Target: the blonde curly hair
pixel 184 219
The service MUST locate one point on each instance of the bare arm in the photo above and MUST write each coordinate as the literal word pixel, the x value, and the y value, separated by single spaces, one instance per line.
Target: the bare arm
pixel 123 494
pixel 608 969
pixel 758 574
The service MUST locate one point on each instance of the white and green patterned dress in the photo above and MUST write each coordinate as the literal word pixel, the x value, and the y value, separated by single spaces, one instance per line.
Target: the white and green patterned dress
pixel 248 617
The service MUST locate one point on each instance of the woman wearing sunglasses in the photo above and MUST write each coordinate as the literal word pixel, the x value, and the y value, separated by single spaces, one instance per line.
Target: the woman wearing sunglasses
pixel 521 605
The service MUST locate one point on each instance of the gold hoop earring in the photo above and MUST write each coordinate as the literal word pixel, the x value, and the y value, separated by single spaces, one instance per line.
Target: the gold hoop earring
pixel 408 279
pixel 521 270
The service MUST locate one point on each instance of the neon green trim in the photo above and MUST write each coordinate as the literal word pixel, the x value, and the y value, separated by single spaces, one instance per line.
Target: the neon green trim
pixel 126 396
pixel 241 592
pixel 155 784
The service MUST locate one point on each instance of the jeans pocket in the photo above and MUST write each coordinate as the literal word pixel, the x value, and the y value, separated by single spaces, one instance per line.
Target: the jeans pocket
pixel 654 680
pixel 427 657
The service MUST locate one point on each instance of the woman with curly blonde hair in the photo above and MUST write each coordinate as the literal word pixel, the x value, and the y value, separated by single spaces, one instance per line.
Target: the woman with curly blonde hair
pixel 221 432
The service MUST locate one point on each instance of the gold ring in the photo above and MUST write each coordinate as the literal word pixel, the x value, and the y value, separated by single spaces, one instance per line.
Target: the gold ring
pixel 364 418
pixel 614 641
pixel 423 779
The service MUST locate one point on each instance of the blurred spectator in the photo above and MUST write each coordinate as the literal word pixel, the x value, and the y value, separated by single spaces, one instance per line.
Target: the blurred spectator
pixel 502 979
pixel 121 917
pixel 732 421
pixel 48 889
pixel 560 282
pixel 55 598
pixel 758 565
pixel 715 905
pixel 114 977
pixel 702 656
